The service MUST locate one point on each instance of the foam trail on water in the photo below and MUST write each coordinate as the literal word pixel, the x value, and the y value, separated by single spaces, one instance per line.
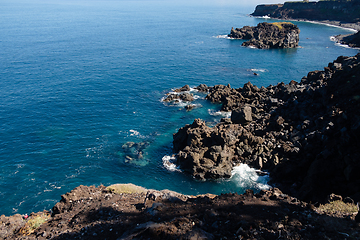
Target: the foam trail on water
pixel 246 177
pixel 259 70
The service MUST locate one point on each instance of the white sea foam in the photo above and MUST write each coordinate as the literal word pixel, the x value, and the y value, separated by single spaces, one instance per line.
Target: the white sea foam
pixel 333 38
pixel 193 89
pixel 223 36
pixel 20 165
pixel 181 103
pixel 134 132
pixel 265 17
pixel 259 70
pixel 168 163
pixel 219 113
pixel 330 25
pixel 246 177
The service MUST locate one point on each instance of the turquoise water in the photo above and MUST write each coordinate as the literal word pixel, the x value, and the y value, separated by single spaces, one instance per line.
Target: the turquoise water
pixel 79 79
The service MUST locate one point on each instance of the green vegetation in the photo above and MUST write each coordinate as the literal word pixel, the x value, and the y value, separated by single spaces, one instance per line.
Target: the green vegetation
pixel 280 24
pixel 34 223
pixel 338 207
pixel 126 188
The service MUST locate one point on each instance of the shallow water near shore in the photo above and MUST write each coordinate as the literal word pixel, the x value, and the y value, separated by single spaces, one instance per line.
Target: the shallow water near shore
pixel 79 80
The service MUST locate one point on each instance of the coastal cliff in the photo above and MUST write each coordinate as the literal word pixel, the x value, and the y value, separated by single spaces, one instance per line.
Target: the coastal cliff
pixel 344 11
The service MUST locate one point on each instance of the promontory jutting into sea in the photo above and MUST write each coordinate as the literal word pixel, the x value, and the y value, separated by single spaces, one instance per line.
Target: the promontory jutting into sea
pixel 192 97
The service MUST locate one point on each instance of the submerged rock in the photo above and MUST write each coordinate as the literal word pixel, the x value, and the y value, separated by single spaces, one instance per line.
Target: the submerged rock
pixel 134 152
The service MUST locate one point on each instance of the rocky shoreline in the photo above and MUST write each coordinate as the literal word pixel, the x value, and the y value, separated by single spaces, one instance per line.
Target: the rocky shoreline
pixel 352 40
pixel 304 133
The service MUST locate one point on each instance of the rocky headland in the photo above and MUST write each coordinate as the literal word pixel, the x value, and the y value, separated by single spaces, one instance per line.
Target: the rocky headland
pixel 340 13
pixel 304 133
pixel 268 35
pixel 352 40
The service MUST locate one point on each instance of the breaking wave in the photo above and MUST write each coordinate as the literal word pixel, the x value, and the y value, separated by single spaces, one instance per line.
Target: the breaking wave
pixel 223 36
pixel 246 177
pixel 168 163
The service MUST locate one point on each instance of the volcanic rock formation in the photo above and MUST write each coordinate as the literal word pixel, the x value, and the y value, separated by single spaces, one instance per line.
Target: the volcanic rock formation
pixel 268 35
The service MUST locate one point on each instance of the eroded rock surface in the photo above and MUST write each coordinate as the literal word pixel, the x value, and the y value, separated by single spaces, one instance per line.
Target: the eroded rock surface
pixel 268 35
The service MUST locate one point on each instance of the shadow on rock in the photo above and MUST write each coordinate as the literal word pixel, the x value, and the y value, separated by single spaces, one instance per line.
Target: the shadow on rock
pixel 96 213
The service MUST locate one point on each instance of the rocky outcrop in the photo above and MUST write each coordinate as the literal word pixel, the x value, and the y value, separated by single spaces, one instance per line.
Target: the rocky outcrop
pixel 305 133
pixel 187 97
pixel 180 94
pixel 352 40
pixel 268 35
pixel 211 153
pixel 344 11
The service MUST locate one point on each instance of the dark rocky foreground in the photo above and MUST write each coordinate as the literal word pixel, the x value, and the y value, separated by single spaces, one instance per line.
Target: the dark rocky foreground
pixel 268 35
pixel 131 212
pixel 306 134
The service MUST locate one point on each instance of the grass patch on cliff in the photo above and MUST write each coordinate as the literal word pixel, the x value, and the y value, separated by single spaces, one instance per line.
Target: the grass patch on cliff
pixel 34 223
pixel 126 188
pixel 280 24
pixel 338 206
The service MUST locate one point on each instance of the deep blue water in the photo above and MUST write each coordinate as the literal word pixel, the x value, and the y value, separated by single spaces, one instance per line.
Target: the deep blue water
pixel 78 79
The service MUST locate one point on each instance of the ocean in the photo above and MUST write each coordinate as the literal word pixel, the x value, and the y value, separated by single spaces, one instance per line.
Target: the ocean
pixel 81 80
